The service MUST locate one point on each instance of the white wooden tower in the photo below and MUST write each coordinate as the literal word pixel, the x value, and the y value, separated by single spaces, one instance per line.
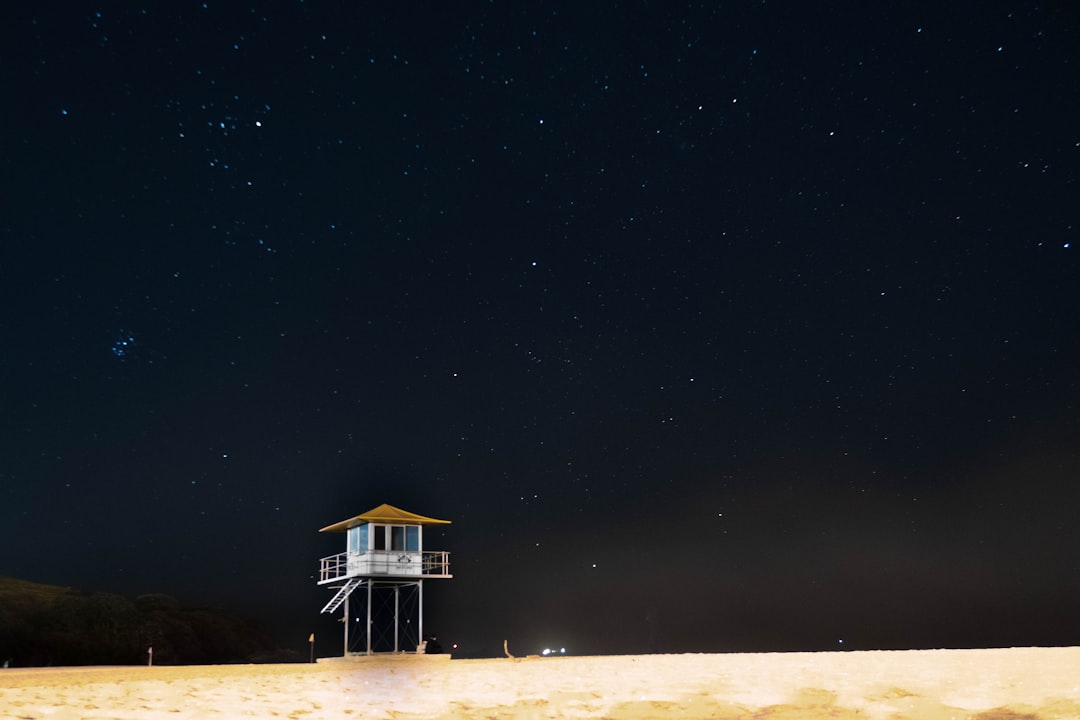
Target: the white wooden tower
pixel 385 555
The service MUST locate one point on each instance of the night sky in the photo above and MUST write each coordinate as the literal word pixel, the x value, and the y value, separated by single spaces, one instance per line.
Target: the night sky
pixel 710 326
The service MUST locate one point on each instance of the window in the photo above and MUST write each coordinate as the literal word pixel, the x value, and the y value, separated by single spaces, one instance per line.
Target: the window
pixel 354 539
pixel 363 538
pixel 404 538
pixel 395 538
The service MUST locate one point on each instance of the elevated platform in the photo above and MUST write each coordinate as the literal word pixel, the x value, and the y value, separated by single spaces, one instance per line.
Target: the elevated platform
pixel 389 564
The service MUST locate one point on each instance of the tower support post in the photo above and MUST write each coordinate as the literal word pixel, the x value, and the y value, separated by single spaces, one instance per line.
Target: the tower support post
pixel 345 619
pixel 397 619
pixel 369 617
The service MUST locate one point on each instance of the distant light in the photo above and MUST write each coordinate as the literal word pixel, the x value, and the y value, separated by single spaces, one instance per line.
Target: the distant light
pixel 547 651
pixel 562 650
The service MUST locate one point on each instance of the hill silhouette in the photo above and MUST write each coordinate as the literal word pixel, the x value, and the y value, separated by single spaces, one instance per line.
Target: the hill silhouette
pixel 44 625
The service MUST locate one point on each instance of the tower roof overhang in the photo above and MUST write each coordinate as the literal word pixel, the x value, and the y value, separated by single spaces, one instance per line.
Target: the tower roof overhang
pixel 384 514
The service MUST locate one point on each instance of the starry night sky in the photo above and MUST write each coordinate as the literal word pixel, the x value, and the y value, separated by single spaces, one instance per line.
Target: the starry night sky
pixel 710 326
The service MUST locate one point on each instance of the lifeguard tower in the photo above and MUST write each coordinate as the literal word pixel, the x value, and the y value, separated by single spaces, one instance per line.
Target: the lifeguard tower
pixel 385 555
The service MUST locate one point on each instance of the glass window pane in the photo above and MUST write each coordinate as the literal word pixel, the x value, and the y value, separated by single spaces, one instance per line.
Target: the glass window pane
pixel 380 536
pixel 363 538
pixel 397 537
pixel 412 539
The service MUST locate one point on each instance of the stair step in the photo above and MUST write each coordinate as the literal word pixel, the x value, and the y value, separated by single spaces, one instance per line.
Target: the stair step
pixel 343 592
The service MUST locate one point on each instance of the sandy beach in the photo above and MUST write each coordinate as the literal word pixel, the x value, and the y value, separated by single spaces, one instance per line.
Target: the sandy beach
pixel 1002 684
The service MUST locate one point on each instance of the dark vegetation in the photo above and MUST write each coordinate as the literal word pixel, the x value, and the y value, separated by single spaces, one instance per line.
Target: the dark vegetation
pixel 50 625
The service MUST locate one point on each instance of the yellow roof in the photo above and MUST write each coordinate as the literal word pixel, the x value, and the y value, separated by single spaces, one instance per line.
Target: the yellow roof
pixel 384 514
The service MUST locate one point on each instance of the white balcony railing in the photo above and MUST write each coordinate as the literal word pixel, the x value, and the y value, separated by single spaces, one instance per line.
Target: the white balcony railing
pixel 333 567
pixel 433 563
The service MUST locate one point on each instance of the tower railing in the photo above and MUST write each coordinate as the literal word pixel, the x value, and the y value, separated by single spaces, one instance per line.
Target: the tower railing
pixel 333 567
pixel 436 562
pixel 433 563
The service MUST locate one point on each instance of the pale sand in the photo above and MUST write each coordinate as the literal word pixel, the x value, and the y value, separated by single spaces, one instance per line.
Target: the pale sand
pixel 1010 684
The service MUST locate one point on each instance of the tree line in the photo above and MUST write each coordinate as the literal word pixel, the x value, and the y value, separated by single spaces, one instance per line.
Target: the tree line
pixel 43 625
